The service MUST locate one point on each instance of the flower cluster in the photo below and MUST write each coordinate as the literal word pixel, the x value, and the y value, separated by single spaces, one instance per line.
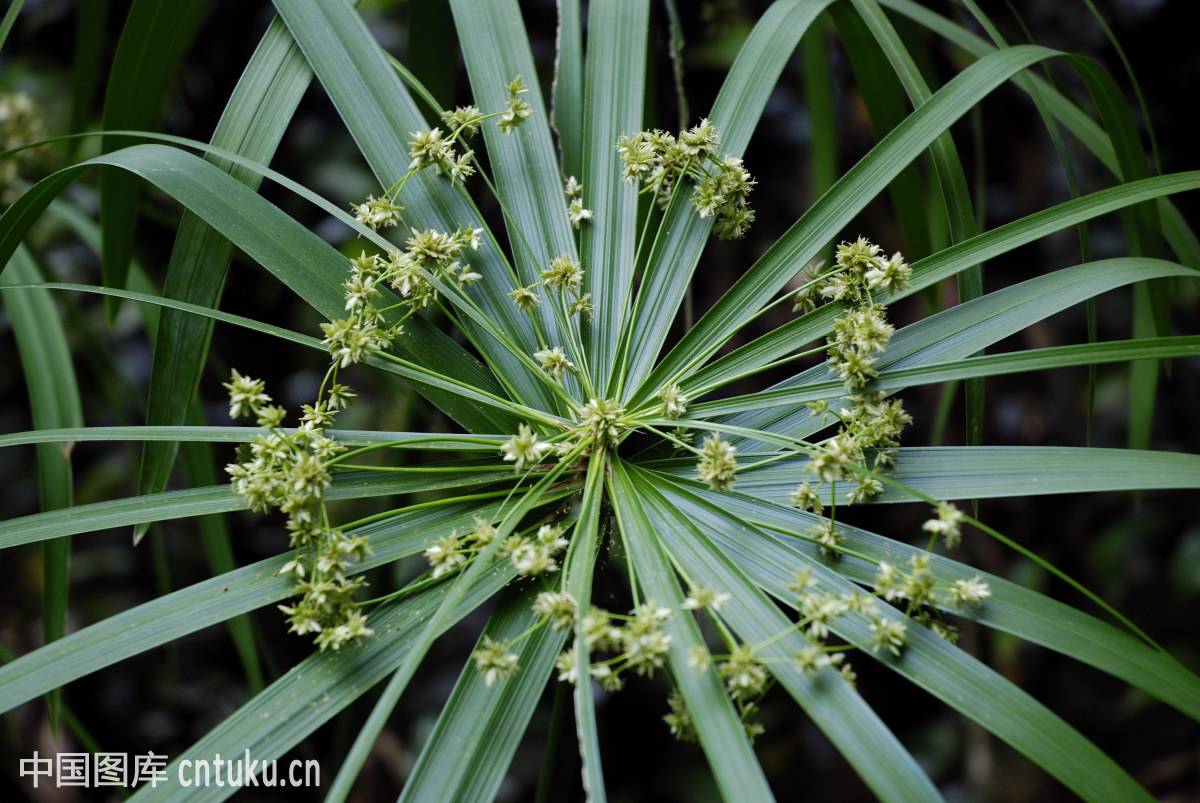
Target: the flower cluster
pixel 20 125
pixel 674 402
pixel 433 148
pixel 576 213
pixel 915 593
pixel 518 109
pixel 531 554
pixel 923 595
pixel 658 160
pixel 718 463
pixel 495 659
pixel 869 428
pixel 289 471
pixel 859 268
pixel 428 254
pixel 635 642
pixel 564 277
pixel 946 524
pixel 862 333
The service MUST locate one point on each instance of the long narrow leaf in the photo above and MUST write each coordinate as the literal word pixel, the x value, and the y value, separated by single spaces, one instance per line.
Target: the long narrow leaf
pixel 381 116
pixel 54 403
pixel 318 688
pixel 480 726
pixel 614 94
pixel 270 237
pixel 835 707
pixel 204 501
pixel 784 339
pixel 201 605
pixel 985 366
pixel 735 114
pixel 987 472
pixel 717 724
pixel 152 44
pixel 825 219
pixel 255 118
pixel 950 674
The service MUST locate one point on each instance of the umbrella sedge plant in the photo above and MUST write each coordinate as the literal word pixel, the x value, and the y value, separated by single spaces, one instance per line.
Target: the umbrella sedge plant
pixel 587 428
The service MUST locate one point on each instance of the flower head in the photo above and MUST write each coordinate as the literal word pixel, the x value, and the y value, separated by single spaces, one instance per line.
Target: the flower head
pixel 377 213
pixel 246 394
pixel 518 110
pixel 564 274
pixel 463 119
pixel 718 463
pixel 947 524
pixel 554 361
pixel 889 634
pixel 557 606
pixel 524 449
pixel 674 402
pixel 526 298
pixel 965 593
pixel 705 598
pixel 679 720
pixel 495 660
pixel 602 417
pixel 745 677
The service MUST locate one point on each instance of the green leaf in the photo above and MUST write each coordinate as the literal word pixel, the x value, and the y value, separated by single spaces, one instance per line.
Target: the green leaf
pixel 205 501
pixel 784 339
pixel 581 565
pixel 718 725
pixel 832 703
pixel 320 686
pixel 87 67
pixel 614 96
pixel 987 472
pixel 965 329
pixel 53 402
pixel 954 370
pixel 495 50
pixel 431 48
pixel 945 671
pixel 153 41
pixel 480 727
pixel 822 114
pixel 1180 236
pixel 956 195
pixel 459 587
pixel 10 18
pixel 300 259
pixel 218 549
pixel 825 218
pixel 447 441
pixel 255 117
pixel 566 114
pixel 422 377
pixel 204 604
pixel 683 234
pixel 883 97
pixel 1012 608
pixel 381 115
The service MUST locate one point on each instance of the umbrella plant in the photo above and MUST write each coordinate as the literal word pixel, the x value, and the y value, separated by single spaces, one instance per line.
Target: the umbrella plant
pixel 593 433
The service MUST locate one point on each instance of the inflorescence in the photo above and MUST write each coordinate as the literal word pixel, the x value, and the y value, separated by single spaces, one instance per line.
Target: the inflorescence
pixel 658 161
pixel 290 470
pixel 21 125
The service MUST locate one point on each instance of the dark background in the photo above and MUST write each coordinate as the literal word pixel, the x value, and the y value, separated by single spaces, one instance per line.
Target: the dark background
pixel 1142 555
